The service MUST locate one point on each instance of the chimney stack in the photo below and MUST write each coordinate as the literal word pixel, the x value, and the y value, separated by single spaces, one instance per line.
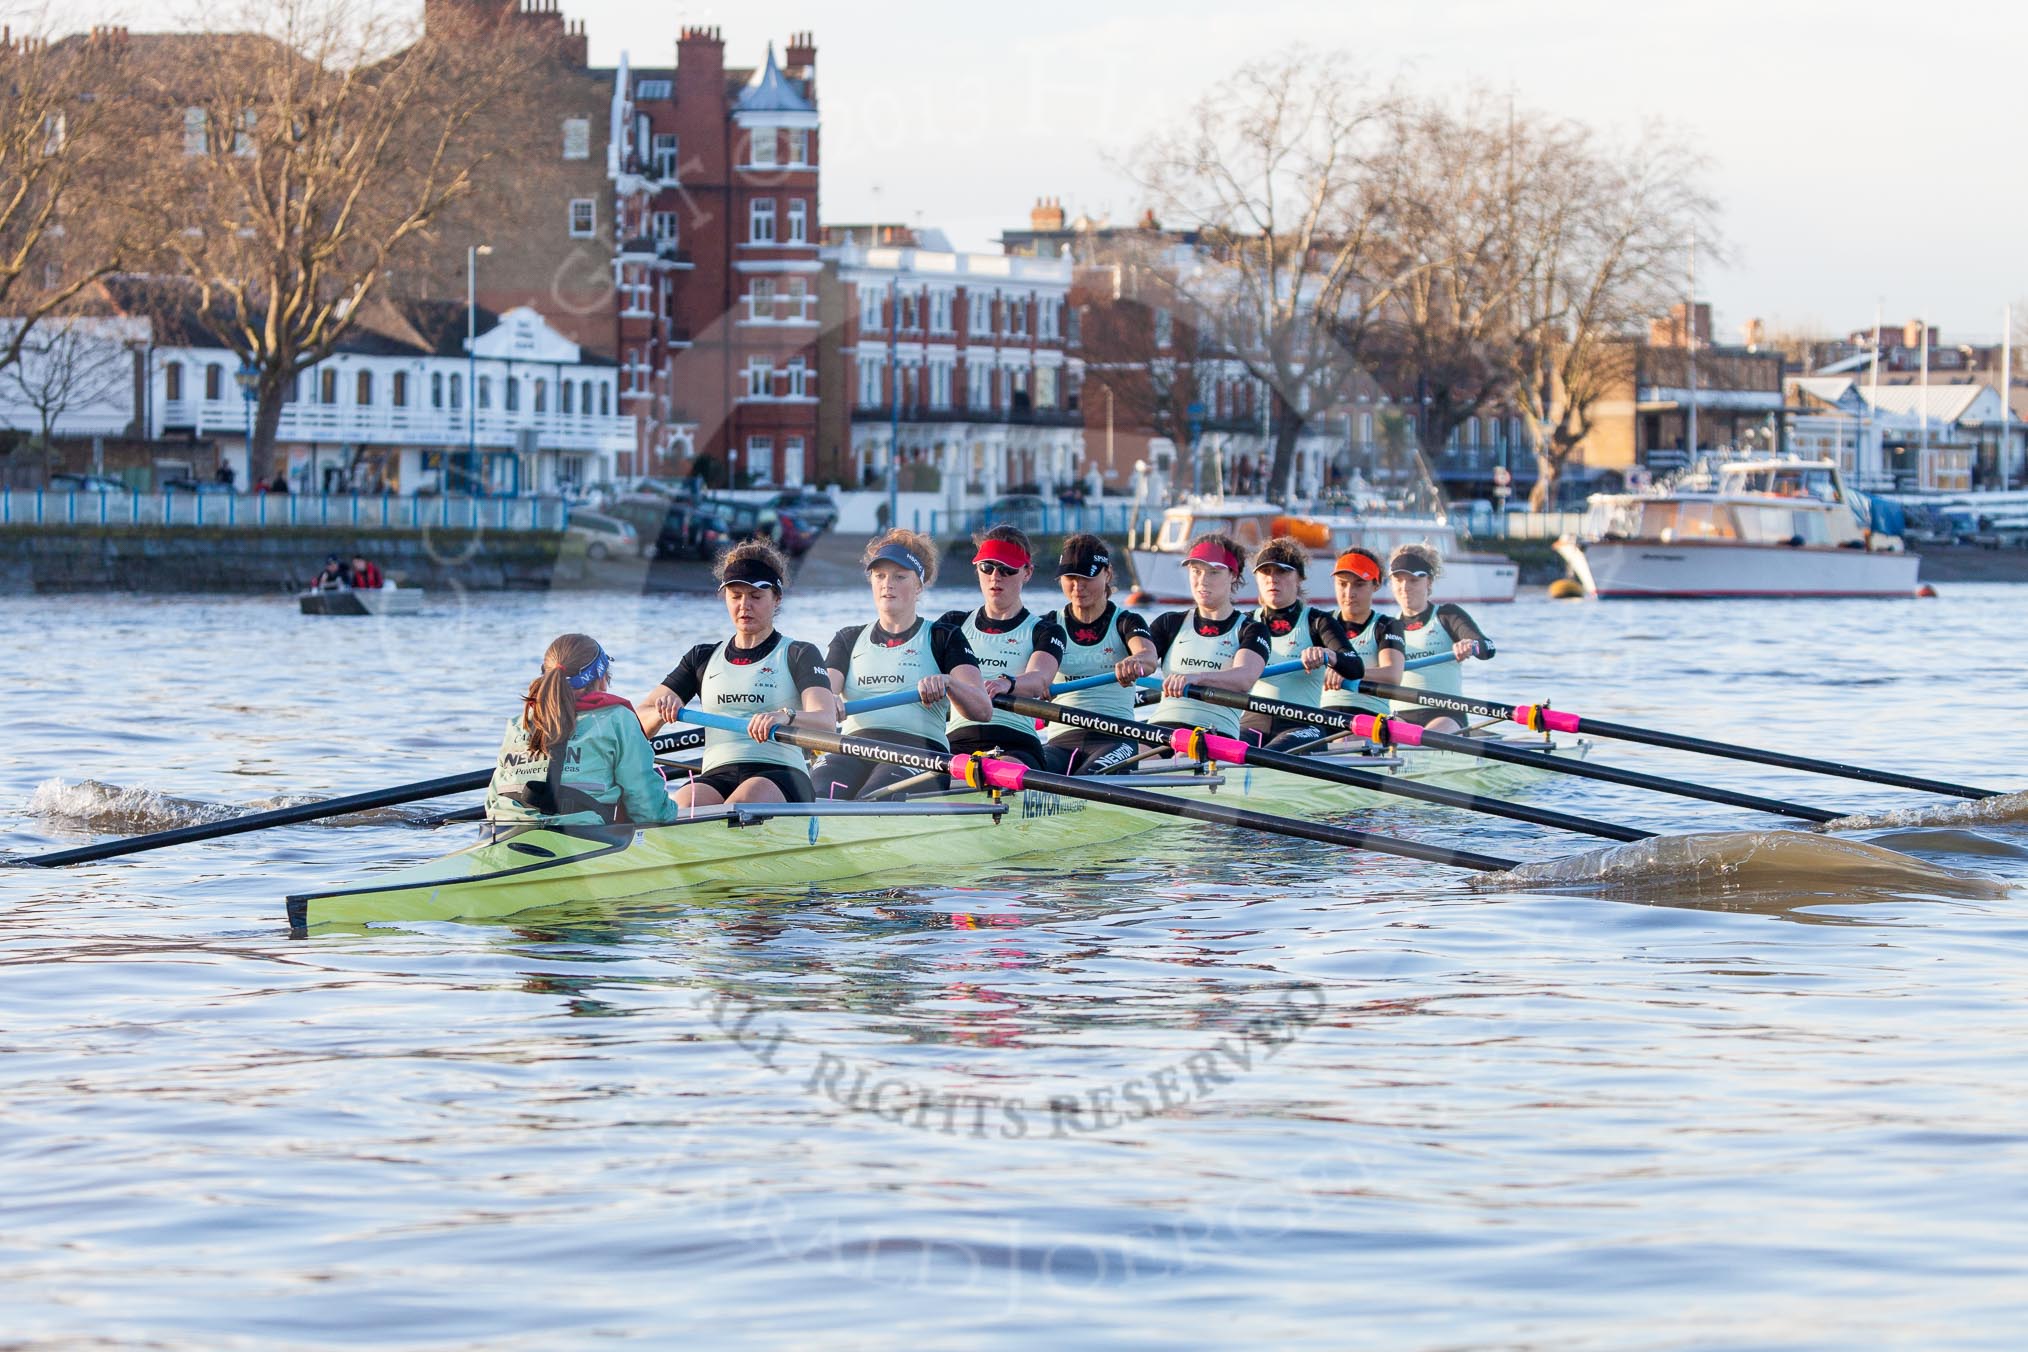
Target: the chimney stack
pixel 1047 214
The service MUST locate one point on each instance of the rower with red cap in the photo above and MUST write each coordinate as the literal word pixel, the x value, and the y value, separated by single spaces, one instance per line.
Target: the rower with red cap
pixel 1018 651
pixel 1375 636
pixel 1210 645
pixel 1098 637
pixel 1295 630
pixel 1430 631
pixel 898 651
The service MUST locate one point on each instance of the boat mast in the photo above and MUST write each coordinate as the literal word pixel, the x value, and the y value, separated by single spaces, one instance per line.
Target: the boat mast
pixel 2006 385
pixel 1873 398
pixel 1690 336
pixel 1922 405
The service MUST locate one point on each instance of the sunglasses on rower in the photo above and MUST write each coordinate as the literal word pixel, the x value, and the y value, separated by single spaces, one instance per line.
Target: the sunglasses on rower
pixel 1410 572
pixel 991 569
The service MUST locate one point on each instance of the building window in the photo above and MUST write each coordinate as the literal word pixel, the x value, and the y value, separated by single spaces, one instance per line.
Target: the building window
pixel 908 314
pixel 584 217
pixel 651 89
pixel 978 386
pixel 665 156
pixel 940 386
pixel 1045 387
pixel 585 401
pixel 869 384
pixel 869 310
pixel 577 138
pixel 327 387
pixel 792 460
pixel 760 378
pixel 799 147
pixel 605 400
pixel 243 135
pixel 457 391
pixel 510 393
pixel 799 221
pixel 800 385
pixel 363 389
pixel 485 391
pixel 760 300
pixel 664 227
pixel 564 391
pixel 980 310
pixel 214 381
pixel 761 221
pixel 799 298
pixel 940 312
pixel 1073 328
pixel 196 136
pixel 436 389
pixel 397 394
pixel 765 144
pixel 53 134
pixel 1046 311
pixel 1017 317
pixel 172 381
pixel 760 456
pixel 541 395
pixel 1165 328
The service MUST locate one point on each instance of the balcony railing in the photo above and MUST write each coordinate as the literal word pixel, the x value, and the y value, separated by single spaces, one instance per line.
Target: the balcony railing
pixel 387 424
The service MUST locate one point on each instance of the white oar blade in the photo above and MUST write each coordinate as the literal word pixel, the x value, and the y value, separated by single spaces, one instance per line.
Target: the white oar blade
pixel 1756 861
pixel 2008 807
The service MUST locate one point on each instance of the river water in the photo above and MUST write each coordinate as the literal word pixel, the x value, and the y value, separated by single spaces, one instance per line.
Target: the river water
pixel 1391 1110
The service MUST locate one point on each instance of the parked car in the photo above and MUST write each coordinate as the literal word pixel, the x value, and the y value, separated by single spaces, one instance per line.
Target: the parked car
pixel 195 486
pixel 1023 510
pixel 815 510
pixel 604 536
pixel 85 483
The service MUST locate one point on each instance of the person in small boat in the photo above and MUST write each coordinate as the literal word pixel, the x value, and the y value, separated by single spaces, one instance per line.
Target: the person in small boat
pixel 1098 637
pixel 1211 645
pixel 1018 651
pixel 1375 636
pixel 366 574
pixel 576 756
pixel 334 575
pixel 1295 630
pixel 758 674
pixel 1430 630
pixel 898 651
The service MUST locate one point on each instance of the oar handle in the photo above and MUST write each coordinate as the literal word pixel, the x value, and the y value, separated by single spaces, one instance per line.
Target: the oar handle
pixel 893 700
pixel 1283 668
pixel 1107 678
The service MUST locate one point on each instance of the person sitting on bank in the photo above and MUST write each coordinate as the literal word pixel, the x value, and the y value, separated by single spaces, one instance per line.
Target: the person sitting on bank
pixel 366 575
pixel 576 755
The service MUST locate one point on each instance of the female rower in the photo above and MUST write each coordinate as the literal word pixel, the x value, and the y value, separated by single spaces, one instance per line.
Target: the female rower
pixel 1429 631
pixel 1375 637
pixel 576 756
pixel 898 651
pixel 1017 650
pixel 1098 637
pixel 758 674
pixel 1210 645
pixel 1295 629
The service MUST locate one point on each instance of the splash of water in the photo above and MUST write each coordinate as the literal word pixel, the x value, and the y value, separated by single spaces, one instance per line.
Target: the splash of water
pixel 2007 807
pixel 1769 861
pixel 112 809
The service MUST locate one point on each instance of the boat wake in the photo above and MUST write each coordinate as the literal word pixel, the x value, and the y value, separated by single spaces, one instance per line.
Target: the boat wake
pixel 111 809
pixel 1759 861
pixel 2007 807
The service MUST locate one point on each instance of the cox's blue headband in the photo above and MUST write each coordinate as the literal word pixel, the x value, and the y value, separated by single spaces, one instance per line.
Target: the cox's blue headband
pixel 593 672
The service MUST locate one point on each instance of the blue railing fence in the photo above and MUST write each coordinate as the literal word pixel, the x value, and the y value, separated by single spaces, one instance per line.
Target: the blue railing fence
pixel 256 511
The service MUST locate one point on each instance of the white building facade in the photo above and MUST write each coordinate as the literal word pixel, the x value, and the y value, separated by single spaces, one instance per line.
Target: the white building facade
pixel 960 361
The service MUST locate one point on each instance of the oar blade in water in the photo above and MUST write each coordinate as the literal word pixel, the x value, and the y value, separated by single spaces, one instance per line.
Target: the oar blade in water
pixel 2007 807
pixel 1769 861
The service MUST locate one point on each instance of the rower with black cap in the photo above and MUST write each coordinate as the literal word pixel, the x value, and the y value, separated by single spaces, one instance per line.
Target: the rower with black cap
pixel 758 674
pixel 1210 645
pixel 1429 631
pixel 1375 635
pixel 1098 637
pixel 1017 649
pixel 1295 630
pixel 898 651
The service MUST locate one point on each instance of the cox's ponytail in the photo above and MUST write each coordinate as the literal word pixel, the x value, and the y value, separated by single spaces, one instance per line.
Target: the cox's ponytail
pixel 549 709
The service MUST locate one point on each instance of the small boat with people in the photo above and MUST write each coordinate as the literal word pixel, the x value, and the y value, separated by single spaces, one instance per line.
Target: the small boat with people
pixel 1778 527
pixel 357 586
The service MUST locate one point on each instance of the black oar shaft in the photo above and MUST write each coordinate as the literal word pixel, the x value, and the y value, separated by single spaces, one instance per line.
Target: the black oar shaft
pixel 1541 760
pixel 1095 789
pixel 1308 768
pixel 307 812
pixel 1675 741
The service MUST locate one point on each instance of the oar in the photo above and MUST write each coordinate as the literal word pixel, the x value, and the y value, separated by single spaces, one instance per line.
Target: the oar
pixel 1540 717
pixel 1208 746
pixel 987 772
pixel 1270 670
pixel 306 812
pixel 1390 731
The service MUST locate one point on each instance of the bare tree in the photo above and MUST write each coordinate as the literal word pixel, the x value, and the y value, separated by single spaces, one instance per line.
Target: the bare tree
pixel 1287 172
pixel 1598 243
pixel 303 158
pixel 66 365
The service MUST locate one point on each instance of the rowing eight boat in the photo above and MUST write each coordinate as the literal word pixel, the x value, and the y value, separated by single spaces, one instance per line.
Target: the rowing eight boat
pixel 515 869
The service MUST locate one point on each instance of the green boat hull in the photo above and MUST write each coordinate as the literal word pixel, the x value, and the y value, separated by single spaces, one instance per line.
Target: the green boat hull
pixel 528 868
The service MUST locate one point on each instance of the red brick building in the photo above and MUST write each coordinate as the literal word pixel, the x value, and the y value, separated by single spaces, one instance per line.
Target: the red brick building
pixel 714 185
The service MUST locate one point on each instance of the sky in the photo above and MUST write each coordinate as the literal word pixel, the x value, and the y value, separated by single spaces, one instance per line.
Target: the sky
pixel 1864 154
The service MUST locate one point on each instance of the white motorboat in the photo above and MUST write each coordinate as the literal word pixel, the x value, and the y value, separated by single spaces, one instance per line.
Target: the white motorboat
pixel 1467 577
pixel 385 600
pixel 1758 528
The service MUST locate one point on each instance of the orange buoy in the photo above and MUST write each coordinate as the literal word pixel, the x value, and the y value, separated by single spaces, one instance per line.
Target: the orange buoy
pixel 1565 588
pixel 1314 534
pixel 1925 590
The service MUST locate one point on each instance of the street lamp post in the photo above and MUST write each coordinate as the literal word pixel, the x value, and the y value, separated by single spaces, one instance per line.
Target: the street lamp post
pixel 249 378
pixel 473 253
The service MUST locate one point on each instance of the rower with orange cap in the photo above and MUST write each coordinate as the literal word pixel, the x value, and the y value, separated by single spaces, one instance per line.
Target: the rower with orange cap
pixel 1375 635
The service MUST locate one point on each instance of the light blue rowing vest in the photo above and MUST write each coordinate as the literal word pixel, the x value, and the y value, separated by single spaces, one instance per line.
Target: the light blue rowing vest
pixel 741 691
pixel 880 670
pixel 1080 661
pixel 999 655
pixel 1195 654
pixel 1367 645
pixel 1445 678
pixel 1297 687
